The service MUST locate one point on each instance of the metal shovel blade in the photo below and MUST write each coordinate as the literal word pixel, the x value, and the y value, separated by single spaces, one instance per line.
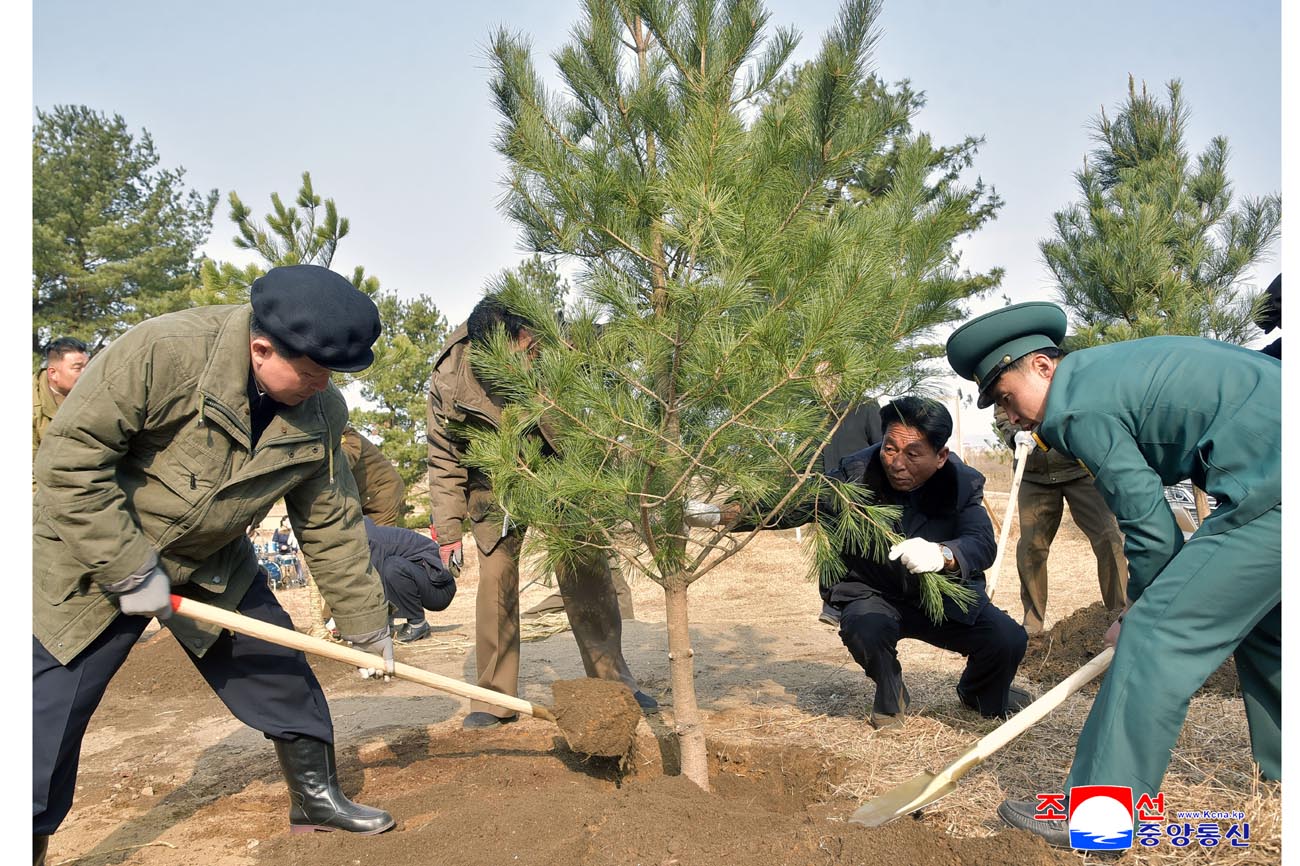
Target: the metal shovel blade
pixel 916 793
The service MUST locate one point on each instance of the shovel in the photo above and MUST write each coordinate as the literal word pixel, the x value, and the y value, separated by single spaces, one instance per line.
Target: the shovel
pixel 609 736
pixel 920 791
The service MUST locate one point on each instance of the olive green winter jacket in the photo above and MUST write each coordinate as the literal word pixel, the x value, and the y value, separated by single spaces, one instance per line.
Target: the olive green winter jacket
pixel 151 452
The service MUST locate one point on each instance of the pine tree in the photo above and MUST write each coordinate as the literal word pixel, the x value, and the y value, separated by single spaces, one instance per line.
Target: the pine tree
pixel 309 232
pixel 723 267
pixel 1156 246
pixel 115 238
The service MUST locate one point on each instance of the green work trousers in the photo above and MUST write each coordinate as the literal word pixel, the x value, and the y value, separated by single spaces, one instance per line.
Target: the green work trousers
pixel 1041 506
pixel 1220 595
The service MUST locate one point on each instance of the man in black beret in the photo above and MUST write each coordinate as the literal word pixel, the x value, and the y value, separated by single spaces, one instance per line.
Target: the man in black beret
pixel 187 429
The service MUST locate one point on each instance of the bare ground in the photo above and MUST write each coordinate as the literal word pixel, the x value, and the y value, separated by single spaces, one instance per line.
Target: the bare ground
pixel 168 777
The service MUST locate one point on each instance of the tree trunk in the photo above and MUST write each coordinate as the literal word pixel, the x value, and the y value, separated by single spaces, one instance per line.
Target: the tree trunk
pixel 681 663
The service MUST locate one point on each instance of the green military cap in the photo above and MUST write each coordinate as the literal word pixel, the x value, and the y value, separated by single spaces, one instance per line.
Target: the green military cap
pixel 986 345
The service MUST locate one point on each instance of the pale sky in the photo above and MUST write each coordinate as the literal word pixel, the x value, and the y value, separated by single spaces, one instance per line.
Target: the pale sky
pixel 387 105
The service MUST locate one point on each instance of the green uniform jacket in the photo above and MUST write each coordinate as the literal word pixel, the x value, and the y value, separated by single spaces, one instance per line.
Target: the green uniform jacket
pixel 151 452
pixel 1153 412
pixel 378 482
pixel 44 404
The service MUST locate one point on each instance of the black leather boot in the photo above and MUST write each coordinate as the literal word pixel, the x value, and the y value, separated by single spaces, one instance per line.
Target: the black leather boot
pixel 316 803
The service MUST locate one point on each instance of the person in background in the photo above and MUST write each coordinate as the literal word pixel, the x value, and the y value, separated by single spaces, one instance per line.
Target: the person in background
pixel 65 359
pixel 1270 316
pixel 1051 479
pixel 381 487
pixel 414 577
pixel 457 400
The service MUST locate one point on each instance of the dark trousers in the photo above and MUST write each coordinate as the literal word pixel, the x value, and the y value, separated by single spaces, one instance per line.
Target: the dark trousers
pixel 410 588
pixel 993 646
pixel 267 687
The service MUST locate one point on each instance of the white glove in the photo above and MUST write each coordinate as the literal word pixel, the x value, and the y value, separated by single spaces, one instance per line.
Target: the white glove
pixel 701 514
pixel 379 642
pixel 1025 439
pixel 919 556
pixel 150 597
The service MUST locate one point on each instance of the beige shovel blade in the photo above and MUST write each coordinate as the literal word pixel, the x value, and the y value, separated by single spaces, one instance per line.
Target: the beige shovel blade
pixel 920 791
pixel 916 793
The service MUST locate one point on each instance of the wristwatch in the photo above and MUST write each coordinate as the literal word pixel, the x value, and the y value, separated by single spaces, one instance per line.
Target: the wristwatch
pixel 949 561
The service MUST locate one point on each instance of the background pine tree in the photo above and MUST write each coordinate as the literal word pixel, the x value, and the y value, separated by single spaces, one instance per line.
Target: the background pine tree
pixel 1156 246
pixel 115 238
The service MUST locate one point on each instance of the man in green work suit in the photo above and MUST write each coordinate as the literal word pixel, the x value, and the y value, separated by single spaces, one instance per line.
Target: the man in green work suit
pixel 1140 415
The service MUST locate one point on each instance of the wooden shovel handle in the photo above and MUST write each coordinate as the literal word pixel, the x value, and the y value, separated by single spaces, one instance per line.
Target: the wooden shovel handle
pixel 287 637
pixel 1031 715
pixel 991 579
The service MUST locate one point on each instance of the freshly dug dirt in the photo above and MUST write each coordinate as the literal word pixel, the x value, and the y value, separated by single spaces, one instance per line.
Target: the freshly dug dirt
pixel 1055 654
pixel 597 717
pixel 510 797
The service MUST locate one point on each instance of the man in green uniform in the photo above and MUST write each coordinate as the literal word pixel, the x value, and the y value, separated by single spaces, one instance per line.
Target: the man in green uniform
pixel 1141 415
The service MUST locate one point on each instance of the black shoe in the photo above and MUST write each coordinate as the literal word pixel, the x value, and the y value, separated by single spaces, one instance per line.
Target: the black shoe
pixel 830 616
pixel 880 720
pixel 486 720
pixel 645 702
pixel 39 844
pixel 315 801
pixel 1020 814
pixel 409 634
pixel 1017 700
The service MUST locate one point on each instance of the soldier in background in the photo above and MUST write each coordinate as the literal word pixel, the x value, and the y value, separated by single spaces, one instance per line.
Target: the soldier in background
pixel 65 358
pixel 1052 479
pixel 381 488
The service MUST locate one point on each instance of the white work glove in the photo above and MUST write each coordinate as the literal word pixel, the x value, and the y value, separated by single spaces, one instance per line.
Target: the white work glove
pixel 1025 439
pixel 148 592
pixel 453 556
pixel 701 514
pixel 379 642
pixel 919 556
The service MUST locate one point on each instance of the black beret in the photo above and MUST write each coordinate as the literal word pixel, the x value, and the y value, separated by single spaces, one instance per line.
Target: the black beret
pixel 318 313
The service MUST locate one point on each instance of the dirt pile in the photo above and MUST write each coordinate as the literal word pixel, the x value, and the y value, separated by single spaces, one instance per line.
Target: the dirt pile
pixel 511 796
pixel 1055 654
pixel 597 717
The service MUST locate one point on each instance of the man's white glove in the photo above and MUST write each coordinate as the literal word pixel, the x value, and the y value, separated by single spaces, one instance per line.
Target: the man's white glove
pixel 1025 439
pixel 701 514
pixel 148 592
pixel 918 555
pixel 379 642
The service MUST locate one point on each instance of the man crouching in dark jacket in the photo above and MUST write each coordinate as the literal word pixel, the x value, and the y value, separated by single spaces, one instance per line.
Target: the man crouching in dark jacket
pixel 946 530
pixel 414 577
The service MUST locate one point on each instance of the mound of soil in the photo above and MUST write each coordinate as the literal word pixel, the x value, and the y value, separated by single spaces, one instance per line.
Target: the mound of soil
pixel 597 717
pixel 517 796
pixel 1055 654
